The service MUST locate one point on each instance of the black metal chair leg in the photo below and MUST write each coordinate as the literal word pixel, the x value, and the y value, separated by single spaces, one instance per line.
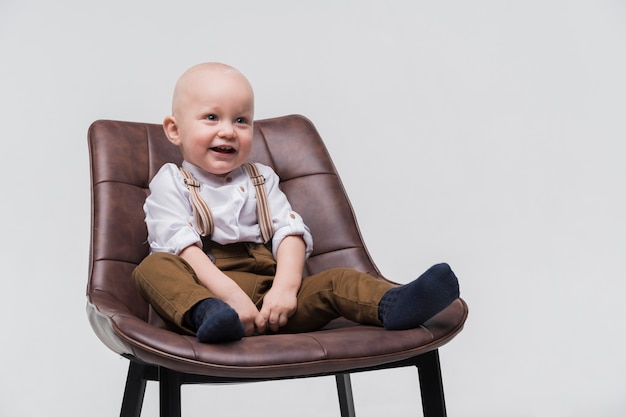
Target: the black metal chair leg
pixel 134 391
pixel 431 388
pixel 169 393
pixel 344 390
pixel 431 385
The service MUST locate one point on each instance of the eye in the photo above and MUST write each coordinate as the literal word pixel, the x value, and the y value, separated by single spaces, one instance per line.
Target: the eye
pixel 210 117
pixel 241 120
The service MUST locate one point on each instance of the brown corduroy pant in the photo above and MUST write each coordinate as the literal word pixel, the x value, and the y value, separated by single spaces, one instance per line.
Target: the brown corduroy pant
pixel 169 283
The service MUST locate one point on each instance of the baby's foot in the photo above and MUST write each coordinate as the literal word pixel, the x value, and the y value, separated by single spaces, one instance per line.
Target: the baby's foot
pixel 216 322
pixel 410 305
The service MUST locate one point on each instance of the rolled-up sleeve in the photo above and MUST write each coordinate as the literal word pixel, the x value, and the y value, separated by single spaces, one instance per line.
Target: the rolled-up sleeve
pixel 169 213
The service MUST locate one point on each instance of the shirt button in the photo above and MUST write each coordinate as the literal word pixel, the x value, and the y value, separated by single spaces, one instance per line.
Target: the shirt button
pixel 242 188
pixel 293 216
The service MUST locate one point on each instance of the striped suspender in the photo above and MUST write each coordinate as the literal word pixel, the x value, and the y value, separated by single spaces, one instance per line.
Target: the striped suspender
pixel 202 213
pixel 262 208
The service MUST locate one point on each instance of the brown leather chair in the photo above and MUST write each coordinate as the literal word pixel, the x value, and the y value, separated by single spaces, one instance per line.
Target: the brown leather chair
pixel 124 157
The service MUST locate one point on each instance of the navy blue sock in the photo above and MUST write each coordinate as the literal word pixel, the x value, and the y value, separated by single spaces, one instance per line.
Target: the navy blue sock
pixel 410 305
pixel 215 321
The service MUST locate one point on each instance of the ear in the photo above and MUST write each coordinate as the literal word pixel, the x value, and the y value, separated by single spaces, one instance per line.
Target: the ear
pixel 171 130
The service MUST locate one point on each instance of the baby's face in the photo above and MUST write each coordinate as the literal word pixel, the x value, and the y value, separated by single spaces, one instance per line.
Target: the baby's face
pixel 214 121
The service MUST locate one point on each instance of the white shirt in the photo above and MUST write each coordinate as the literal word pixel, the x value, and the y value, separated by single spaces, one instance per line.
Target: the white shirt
pixel 232 200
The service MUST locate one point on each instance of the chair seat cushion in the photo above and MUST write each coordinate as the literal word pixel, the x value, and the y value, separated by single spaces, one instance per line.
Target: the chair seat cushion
pixel 342 346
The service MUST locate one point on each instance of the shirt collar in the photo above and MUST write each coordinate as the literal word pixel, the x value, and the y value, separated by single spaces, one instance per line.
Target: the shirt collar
pixel 212 179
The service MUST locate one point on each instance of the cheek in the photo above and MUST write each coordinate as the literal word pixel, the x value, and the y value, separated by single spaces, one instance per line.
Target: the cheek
pixel 245 145
pixel 198 141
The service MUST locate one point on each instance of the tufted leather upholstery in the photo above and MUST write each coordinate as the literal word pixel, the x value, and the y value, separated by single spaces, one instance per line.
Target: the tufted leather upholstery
pixel 124 158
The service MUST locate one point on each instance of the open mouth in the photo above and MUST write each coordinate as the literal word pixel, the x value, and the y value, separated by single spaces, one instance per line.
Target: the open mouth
pixel 224 149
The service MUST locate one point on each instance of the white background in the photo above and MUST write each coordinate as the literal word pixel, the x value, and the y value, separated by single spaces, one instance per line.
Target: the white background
pixel 493 132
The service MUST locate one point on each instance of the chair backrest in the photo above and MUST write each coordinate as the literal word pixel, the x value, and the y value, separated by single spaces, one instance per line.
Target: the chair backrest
pixel 126 155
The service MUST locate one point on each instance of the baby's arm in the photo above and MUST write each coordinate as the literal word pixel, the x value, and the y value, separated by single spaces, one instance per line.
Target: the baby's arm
pixel 280 302
pixel 225 289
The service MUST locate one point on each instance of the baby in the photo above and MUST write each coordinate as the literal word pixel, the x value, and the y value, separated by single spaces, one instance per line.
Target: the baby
pixel 219 271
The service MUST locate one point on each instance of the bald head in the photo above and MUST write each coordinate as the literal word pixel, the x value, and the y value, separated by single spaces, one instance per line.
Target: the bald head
pixel 213 105
pixel 195 79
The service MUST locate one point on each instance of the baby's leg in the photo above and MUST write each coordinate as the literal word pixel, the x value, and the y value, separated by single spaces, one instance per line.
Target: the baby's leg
pixel 410 305
pixel 170 285
pixel 337 292
pixel 367 300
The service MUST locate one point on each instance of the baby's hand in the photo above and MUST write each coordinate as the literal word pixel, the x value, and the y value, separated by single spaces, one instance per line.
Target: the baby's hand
pixel 249 315
pixel 278 306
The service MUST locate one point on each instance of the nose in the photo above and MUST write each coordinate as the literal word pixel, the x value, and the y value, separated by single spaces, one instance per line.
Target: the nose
pixel 227 131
